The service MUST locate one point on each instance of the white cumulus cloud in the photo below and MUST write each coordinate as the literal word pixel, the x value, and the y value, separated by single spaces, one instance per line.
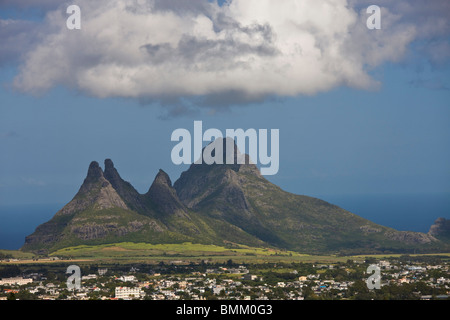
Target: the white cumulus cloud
pixel 198 51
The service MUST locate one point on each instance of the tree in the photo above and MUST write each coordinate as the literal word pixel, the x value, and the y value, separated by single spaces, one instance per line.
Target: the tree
pixel 11 296
pixel 25 295
pixel 183 295
pixel 308 293
pixel 9 271
pixel 360 291
pixel 62 296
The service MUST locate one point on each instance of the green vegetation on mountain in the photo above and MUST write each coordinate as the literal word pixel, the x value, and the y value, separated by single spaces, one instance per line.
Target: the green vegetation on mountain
pixel 217 205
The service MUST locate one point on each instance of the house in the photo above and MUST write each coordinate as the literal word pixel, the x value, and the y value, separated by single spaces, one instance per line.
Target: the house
pixel 102 271
pixel 249 277
pixel 218 289
pixel 81 295
pixel 127 293
pixel 403 280
pixel 442 280
pixel 128 278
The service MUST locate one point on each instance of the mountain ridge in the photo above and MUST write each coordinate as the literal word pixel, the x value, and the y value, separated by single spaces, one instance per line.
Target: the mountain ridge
pixel 215 204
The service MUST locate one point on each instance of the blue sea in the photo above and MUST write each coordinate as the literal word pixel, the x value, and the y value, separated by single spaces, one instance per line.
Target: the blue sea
pixel 402 212
pixel 19 221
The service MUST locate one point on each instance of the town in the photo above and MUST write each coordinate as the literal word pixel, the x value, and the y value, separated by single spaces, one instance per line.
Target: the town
pixel 402 278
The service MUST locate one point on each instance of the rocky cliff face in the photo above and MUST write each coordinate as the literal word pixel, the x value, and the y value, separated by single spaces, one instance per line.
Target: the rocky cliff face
pixel 217 204
pixel 164 197
pixel 410 237
pixel 95 190
pixel 123 188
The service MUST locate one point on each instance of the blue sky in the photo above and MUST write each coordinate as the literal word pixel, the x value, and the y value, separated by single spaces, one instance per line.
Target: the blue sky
pixel 377 125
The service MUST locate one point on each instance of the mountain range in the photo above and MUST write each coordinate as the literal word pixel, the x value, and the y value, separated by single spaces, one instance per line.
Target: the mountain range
pixel 219 204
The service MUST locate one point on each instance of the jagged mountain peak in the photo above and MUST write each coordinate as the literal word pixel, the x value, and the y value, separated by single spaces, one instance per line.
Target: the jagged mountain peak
pixel 96 190
pixel 94 173
pixel 231 155
pixel 94 170
pixel 203 179
pixel 109 167
pixel 162 178
pixel 126 191
pixel 111 173
pixel 164 196
pixel 94 178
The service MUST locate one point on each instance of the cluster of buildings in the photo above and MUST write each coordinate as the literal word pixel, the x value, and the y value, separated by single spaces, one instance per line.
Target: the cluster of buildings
pixel 13 281
pixel 221 283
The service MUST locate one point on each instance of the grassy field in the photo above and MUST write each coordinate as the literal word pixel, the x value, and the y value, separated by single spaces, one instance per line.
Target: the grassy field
pixel 127 252
pixel 16 254
pixel 379 256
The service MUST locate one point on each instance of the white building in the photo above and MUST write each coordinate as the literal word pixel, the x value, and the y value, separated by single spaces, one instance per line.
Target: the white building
pixel 89 277
pixel 128 278
pixel 442 280
pixel 128 293
pixel 218 289
pixel 16 280
pixel 102 271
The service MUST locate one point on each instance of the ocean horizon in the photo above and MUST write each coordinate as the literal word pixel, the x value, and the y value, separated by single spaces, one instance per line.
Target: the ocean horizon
pixel 404 212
